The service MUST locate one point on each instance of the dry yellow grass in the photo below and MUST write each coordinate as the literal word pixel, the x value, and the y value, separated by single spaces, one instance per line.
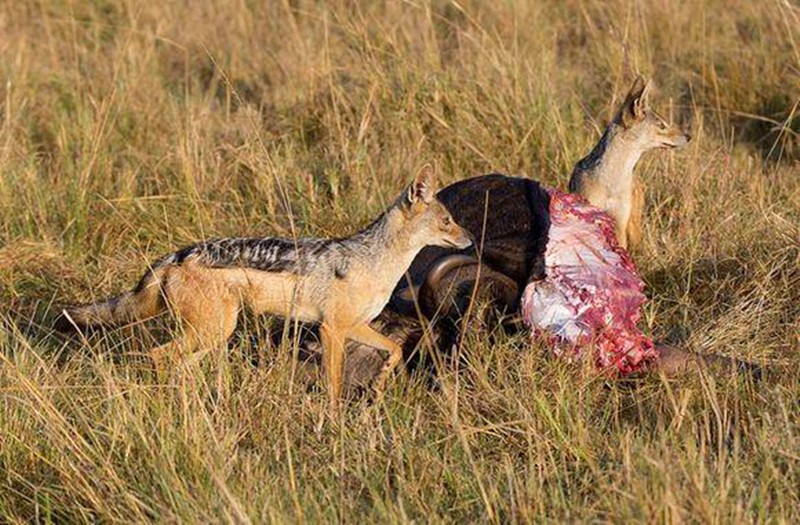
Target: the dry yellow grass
pixel 130 128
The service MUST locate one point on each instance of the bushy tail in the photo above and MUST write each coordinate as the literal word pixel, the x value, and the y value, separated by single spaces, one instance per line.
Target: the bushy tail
pixel 142 302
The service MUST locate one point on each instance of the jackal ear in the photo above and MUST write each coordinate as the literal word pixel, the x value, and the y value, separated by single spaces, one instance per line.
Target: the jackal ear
pixel 423 189
pixel 642 100
pixel 637 101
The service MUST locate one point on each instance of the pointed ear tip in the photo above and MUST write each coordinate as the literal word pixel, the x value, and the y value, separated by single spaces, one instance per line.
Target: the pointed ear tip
pixel 427 172
pixel 640 84
pixel 640 90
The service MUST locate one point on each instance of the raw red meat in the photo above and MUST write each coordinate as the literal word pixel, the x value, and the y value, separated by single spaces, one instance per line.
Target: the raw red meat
pixel 592 295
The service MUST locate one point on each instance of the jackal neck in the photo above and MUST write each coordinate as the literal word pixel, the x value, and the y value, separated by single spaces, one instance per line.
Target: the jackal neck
pixel 612 160
pixel 389 242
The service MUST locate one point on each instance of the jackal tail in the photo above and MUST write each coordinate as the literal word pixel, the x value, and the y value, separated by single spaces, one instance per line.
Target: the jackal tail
pixel 144 301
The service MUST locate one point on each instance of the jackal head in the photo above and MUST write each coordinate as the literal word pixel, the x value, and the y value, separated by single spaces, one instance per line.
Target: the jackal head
pixel 426 218
pixel 641 126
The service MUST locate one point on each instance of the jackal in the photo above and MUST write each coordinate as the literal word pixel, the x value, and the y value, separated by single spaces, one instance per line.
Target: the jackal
pixel 605 176
pixel 342 284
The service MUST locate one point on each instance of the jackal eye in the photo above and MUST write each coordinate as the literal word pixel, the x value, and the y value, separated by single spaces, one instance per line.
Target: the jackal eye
pixel 447 221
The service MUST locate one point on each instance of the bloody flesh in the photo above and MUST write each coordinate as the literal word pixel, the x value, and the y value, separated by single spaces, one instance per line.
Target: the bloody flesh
pixel 591 299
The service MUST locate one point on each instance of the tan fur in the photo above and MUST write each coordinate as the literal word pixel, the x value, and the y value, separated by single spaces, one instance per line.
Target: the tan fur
pixel 605 177
pixel 633 233
pixel 207 302
pixel 343 287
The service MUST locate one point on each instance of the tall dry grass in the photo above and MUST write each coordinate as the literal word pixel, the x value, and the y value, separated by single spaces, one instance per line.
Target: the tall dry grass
pixel 129 128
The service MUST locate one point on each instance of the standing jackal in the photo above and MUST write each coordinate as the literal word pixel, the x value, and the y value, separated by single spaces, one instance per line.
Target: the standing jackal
pixel 342 284
pixel 605 176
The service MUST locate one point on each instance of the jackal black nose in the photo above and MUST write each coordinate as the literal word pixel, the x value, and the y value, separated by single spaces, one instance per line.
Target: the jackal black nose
pixel 688 137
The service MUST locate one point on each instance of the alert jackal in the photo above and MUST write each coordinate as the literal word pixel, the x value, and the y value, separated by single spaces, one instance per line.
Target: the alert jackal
pixel 342 284
pixel 605 176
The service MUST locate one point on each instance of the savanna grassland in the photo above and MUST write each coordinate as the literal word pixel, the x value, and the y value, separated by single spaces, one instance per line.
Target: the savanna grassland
pixel 130 128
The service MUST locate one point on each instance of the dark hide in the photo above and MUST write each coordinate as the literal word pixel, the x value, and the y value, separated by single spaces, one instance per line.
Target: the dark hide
pixel 509 219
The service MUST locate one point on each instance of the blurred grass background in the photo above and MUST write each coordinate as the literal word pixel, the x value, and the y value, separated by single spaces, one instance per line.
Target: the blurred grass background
pixel 129 128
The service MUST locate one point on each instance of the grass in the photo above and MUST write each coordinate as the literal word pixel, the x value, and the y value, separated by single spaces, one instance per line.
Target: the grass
pixel 130 128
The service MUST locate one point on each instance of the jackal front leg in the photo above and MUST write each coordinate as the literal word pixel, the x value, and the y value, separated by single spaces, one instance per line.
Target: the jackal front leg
pixel 333 360
pixel 364 334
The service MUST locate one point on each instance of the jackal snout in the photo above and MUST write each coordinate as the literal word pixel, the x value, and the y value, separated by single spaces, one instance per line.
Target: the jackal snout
pixel 428 218
pixel 666 135
pixel 450 234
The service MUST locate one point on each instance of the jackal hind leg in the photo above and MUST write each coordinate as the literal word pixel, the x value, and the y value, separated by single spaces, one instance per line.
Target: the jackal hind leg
pixel 364 334
pixel 205 309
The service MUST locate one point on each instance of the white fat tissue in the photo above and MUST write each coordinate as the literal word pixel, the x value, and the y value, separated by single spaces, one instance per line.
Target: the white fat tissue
pixel 591 299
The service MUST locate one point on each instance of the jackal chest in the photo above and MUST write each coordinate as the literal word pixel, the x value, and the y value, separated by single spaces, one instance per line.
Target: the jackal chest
pixel 363 302
pixel 373 308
